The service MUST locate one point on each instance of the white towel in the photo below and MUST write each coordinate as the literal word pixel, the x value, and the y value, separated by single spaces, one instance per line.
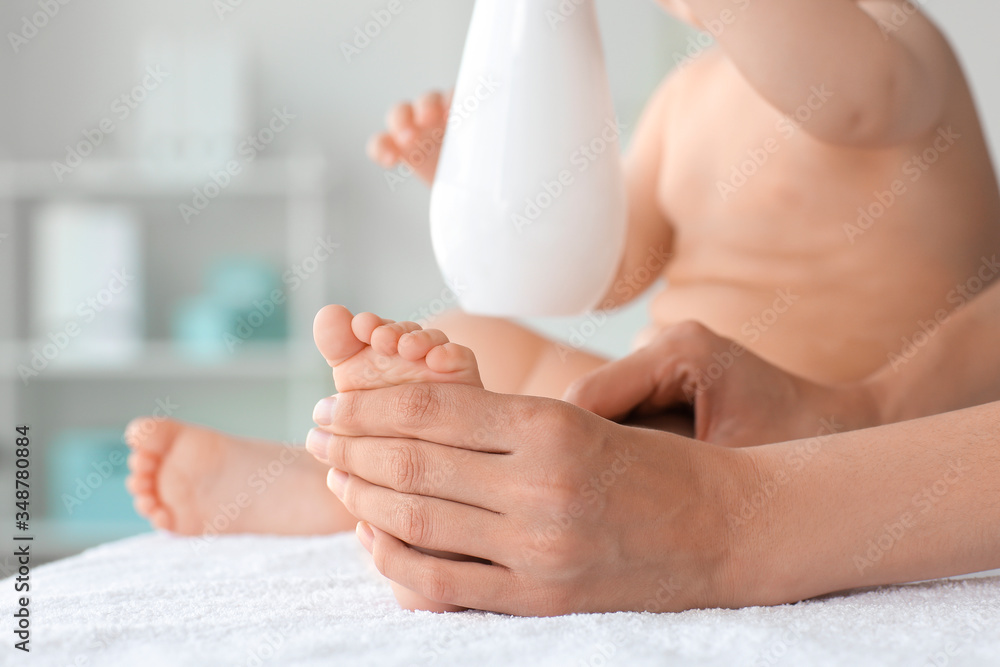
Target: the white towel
pixel 163 600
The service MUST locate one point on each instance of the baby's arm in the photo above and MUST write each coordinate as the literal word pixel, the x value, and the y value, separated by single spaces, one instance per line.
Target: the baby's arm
pixel 650 236
pixel 888 82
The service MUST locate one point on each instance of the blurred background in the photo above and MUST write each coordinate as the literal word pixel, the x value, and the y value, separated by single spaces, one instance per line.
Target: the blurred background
pixel 184 184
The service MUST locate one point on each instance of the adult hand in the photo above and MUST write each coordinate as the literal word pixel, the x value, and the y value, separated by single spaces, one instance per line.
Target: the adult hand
pixel 739 399
pixel 568 511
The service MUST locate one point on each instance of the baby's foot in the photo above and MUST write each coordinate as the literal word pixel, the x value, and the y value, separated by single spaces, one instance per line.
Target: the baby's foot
pixel 367 352
pixel 414 136
pixel 193 481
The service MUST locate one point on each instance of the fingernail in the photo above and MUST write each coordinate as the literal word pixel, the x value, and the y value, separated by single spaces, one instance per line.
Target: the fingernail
pixel 336 479
pixel 324 411
pixel 365 535
pixel 318 443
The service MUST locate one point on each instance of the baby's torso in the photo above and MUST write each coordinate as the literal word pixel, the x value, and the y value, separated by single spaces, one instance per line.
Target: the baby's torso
pixel 821 259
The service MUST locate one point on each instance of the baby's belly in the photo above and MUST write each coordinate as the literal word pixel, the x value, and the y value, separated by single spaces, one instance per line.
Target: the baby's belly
pixel 824 337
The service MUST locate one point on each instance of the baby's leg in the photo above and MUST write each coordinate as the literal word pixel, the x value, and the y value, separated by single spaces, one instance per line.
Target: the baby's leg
pixel 515 360
pixel 192 480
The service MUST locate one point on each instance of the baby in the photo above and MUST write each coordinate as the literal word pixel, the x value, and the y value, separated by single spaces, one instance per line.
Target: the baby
pixel 817 188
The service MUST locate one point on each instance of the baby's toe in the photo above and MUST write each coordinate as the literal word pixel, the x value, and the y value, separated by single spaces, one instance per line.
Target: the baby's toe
pixel 385 339
pixel 415 346
pixel 383 151
pixel 139 484
pixel 151 435
pixel 365 324
pixel 401 123
pixel 142 463
pixel 451 358
pixel 161 519
pixel 145 505
pixel 332 331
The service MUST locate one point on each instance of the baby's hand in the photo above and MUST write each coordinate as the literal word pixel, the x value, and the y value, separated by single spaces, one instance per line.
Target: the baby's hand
pixel 414 136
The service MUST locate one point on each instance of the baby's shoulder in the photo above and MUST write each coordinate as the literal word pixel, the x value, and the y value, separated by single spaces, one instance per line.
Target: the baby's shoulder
pixel 693 74
pixel 903 21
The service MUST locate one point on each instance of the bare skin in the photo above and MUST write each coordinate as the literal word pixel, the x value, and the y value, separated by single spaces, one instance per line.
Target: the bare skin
pixel 791 229
pixel 833 141
pixel 755 526
pixel 189 480
pixel 672 524
pixel 184 477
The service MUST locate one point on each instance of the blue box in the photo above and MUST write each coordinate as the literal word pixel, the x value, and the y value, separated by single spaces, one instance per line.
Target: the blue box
pixel 86 478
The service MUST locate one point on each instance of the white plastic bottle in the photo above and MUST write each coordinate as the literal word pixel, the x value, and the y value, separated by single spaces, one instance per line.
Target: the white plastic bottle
pixel 528 208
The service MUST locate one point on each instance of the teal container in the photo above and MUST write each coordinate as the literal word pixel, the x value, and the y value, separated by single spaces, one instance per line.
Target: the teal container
pixel 86 479
pixel 250 290
pixel 244 302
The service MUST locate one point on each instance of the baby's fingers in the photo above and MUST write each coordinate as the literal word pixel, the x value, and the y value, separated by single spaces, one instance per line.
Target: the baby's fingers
pixel 401 123
pixel 383 150
pixel 431 110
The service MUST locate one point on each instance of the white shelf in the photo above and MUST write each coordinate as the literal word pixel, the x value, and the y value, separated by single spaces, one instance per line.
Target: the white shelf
pixel 263 177
pixel 306 187
pixel 162 360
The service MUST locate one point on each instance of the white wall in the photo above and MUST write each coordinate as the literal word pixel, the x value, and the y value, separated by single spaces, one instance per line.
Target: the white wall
pixel 65 78
pixel 971 27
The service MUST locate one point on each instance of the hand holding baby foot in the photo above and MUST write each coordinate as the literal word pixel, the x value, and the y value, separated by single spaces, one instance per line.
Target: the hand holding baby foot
pixel 368 352
pixel 739 399
pixel 414 135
